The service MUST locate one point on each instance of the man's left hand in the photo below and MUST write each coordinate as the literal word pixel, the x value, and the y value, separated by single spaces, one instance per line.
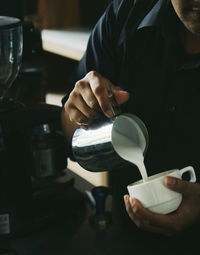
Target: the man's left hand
pixel 170 224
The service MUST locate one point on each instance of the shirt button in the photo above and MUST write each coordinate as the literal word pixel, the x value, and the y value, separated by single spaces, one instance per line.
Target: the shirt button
pixel 172 108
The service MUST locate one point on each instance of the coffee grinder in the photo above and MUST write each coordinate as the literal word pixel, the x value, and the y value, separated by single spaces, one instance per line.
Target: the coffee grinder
pixel 32 152
pixel 15 188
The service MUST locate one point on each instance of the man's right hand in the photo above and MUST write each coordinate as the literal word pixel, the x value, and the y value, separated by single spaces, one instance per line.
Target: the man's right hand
pixel 91 96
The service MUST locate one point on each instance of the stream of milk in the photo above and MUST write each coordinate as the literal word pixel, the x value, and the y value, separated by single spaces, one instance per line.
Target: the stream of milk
pixel 130 151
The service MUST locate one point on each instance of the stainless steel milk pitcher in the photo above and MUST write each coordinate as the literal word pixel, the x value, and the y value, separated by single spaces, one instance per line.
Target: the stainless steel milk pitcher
pixel 96 149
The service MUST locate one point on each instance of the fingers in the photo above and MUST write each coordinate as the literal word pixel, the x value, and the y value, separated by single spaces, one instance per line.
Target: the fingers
pixel 130 208
pixel 181 186
pixel 140 222
pixel 121 96
pixel 79 112
pixel 83 89
pixel 92 96
pixel 147 220
pixel 101 88
pixel 136 208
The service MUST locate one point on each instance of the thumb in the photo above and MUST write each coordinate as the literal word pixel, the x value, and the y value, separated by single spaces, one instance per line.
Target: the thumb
pixel 121 96
pixel 178 185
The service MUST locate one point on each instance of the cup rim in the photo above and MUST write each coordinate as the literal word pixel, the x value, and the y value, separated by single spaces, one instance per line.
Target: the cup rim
pixel 152 178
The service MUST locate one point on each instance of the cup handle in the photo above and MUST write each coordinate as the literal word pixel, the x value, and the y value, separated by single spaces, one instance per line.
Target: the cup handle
pixel 189 169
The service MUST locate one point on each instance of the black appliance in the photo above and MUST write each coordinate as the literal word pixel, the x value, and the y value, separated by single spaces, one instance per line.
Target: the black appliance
pixel 33 151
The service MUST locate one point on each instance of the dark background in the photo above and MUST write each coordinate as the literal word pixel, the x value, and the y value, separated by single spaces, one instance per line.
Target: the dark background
pixel 17 8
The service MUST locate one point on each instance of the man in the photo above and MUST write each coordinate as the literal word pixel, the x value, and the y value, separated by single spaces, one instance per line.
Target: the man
pixel 146 54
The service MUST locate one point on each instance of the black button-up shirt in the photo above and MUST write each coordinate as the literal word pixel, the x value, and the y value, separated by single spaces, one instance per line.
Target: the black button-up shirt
pixel 138 48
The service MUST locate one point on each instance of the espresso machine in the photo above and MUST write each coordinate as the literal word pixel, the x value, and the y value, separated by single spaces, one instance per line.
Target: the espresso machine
pixel 33 151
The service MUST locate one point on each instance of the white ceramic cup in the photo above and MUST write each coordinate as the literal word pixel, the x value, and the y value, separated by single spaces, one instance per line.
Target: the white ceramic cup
pixel 155 196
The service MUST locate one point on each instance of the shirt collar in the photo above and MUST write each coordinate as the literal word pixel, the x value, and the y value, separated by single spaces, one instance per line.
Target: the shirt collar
pixel 161 15
pixel 153 17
